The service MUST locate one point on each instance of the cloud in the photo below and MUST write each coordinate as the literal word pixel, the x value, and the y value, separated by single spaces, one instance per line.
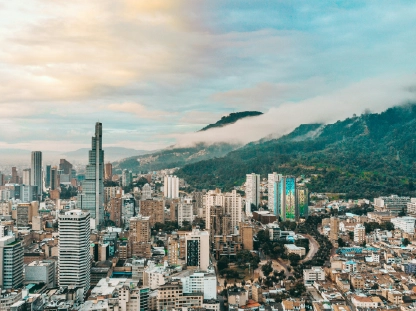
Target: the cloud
pixel 376 94
pixel 140 110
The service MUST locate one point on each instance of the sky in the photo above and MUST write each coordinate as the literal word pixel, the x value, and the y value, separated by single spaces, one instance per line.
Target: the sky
pixel 154 72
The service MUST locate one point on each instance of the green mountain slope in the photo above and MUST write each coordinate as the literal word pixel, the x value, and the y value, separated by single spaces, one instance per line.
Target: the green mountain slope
pixel 363 156
pixel 232 118
pixel 178 157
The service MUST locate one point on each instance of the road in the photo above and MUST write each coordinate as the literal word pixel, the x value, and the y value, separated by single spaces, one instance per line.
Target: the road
pixel 313 248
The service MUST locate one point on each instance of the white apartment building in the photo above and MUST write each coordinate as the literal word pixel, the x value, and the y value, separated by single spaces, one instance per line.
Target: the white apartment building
pixel 233 207
pixel 210 199
pixel 74 263
pixel 313 274
pixel 146 192
pixel 200 282
pixel 171 187
pixel 407 224
pixel 154 276
pixel 253 188
pixel 271 179
pixel 197 249
pixel 392 203
pixel 185 211
pixel 359 233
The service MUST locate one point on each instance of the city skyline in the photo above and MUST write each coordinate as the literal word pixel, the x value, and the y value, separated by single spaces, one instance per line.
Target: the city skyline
pixel 199 61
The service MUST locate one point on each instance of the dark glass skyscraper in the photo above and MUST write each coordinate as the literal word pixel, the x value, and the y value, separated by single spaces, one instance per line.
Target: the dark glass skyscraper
pixel 48 176
pixel 92 196
pixel 36 172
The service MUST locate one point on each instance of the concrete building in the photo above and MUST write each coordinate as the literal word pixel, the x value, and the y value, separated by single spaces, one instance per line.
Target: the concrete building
pixel 393 203
pixel 253 189
pixel 26 176
pixel 11 263
pixel 115 207
pixel 233 207
pixel 25 212
pixel 407 224
pixel 210 199
pixel 334 233
pixel 246 232
pixel 197 249
pixel 41 271
pixel 154 209
pixel 271 179
pixel 91 198
pixel 285 204
pixel 200 282
pixel 302 199
pixel 108 171
pixel 36 172
pixel 170 296
pixel 146 192
pixel 293 249
pixel 139 236
pixel 171 187
pixel 126 178
pixel 359 234
pixel 185 211
pixel 74 263
pixel 313 274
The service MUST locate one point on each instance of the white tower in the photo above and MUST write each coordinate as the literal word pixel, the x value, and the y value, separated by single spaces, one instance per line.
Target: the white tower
pixel 74 249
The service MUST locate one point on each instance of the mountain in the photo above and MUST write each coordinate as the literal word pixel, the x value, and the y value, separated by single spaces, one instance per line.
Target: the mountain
pixel 231 118
pixel 362 156
pixel 177 156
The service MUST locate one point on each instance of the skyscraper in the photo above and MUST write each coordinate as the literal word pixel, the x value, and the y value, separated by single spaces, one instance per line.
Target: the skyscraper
pixel 171 187
pixel 26 176
pixel 15 177
pixel 36 172
pixel 74 263
pixel 48 176
pixel 302 197
pixel 271 179
pixel 65 166
pixel 108 171
pixel 11 263
pixel 253 189
pixel 92 197
pixel 286 206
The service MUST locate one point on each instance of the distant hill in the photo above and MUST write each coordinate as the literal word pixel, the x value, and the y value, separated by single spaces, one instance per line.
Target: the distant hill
pixel 232 118
pixel 363 156
pixel 177 157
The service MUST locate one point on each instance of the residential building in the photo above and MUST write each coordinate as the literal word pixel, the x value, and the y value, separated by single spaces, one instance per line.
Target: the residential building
pixel 293 249
pixel 271 179
pixel 139 236
pixel 407 224
pixel 313 274
pixel 154 209
pixel 185 211
pixel 74 262
pixel 126 178
pixel 170 296
pixel 359 234
pixel 302 197
pixel 91 198
pixel 393 203
pixel 233 207
pixel 201 282
pixel 36 172
pixel 253 189
pixel 334 233
pixel 108 171
pixel 171 187
pixel 11 263
pixel 115 208
pixel 146 192
pixel 197 249
pixel 285 198
pixel 246 232
pixel 210 199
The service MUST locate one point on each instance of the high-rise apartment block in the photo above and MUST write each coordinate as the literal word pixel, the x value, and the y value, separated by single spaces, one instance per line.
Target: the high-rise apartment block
pixel 197 249
pixel 171 187
pixel 334 225
pixel 126 178
pixel 48 176
pixel 115 208
pixel 154 209
pixel 146 192
pixel 11 263
pixel 36 172
pixel 302 198
pixel 74 263
pixel 108 171
pixel 359 234
pixel 91 198
pixel 285 198
pixel 185 211
pixel 233 207
pixel 271 179
pixel 139 236
pixel 253 189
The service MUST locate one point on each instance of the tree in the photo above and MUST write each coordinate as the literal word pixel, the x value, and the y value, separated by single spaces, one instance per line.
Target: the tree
pixel 351 235
pixel 375 286
pixel 402 213
pixel 160 243
pixel 222 264
pixel 225 283
pixel 406 241
pixel 294 259
pixel 267 268
pixel 341 242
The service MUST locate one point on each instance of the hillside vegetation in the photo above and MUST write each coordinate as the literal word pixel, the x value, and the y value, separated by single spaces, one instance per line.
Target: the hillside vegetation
pixel 362 156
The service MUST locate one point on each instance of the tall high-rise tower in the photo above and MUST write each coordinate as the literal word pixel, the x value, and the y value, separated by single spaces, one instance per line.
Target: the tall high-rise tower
pixel 92 197
pixel 11 263
pixel 74 263
pixel 36 172
pixel 253 189
pixel 271 179
pixel 285 198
